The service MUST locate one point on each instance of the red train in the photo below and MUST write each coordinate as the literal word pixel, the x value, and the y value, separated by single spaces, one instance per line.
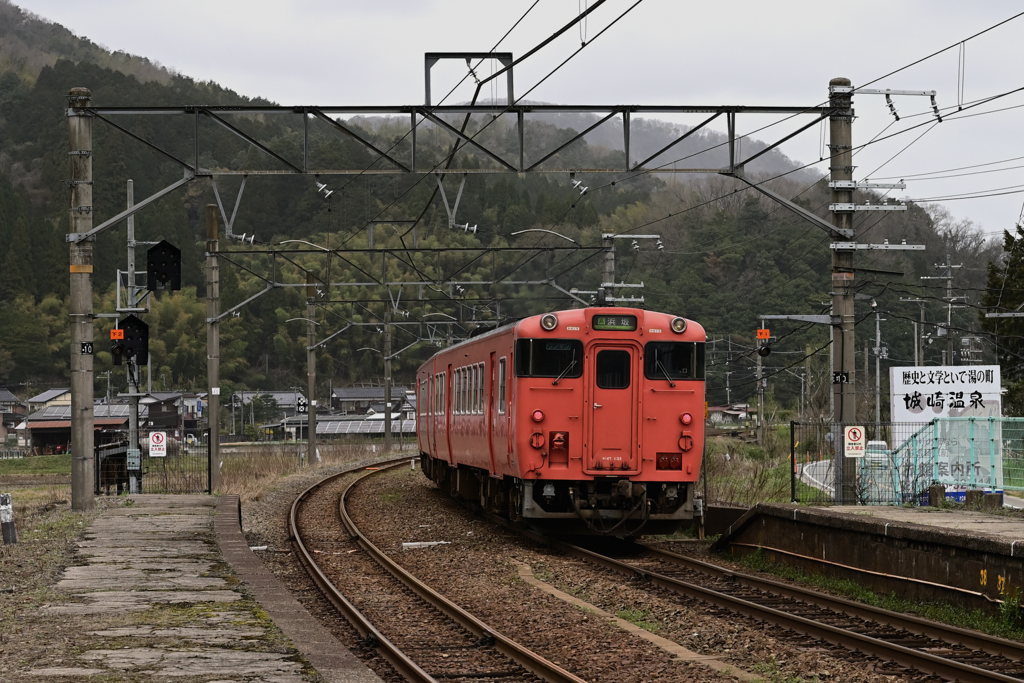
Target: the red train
pixel 580 421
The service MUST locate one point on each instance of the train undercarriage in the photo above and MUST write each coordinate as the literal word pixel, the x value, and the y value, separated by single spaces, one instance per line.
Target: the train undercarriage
pixel 610 506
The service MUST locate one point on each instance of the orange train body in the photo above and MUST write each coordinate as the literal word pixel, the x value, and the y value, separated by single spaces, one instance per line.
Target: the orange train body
pixel 584 421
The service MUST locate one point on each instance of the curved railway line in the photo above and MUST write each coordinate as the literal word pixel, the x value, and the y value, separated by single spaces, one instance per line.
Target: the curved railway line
pixel 424 636
pixel 429 638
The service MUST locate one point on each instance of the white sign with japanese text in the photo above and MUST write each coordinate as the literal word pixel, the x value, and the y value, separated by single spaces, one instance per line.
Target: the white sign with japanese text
pixel 853 442
pixel 921 394
pixel 158 444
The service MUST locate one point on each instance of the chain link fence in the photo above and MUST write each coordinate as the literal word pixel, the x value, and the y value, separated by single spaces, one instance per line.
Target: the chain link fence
pixel 901 460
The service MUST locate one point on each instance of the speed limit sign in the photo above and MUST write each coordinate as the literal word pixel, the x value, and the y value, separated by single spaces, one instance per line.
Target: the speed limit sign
pixel 158 444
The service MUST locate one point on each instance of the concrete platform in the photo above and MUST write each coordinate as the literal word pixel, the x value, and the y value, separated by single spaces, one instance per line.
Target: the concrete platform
pixel 923 554
pixel 169 590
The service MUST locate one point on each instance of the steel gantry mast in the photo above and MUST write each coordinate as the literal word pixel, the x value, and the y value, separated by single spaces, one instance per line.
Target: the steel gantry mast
pixel 404 159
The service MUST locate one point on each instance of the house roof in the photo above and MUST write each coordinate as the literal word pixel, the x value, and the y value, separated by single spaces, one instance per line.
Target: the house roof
pixel 66 424
pixel 48 395
pixel 364 427
pixel 7 397
pixel 285 399
pixel 366 393
pixel 100 411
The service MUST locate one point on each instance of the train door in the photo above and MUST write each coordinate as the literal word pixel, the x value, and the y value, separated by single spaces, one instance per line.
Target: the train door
pixel 490 409
pixel 449 404
pixel 433 412
pixel 612 378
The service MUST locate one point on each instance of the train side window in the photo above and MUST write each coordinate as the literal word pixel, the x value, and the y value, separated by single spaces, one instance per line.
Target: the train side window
pixel 501 386
pixel 674 360
pixel 460 376
pixel 478 372
pixel 422 407
pixel 613 369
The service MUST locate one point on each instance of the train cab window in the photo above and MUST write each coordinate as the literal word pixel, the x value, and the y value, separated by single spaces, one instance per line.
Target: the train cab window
pixel 422 401
pixel 560 358
pixel 613 369
pixel 501 386
pixel 674 360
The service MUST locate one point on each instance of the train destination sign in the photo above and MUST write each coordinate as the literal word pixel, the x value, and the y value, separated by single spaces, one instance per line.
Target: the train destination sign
pixel 615 323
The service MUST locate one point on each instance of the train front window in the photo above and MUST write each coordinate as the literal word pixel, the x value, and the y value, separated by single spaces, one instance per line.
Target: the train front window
pixel 558 358
pixel 674 360
pixel 613 369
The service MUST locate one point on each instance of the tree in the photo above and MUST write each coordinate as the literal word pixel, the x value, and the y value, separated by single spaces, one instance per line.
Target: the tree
pixel 1005 292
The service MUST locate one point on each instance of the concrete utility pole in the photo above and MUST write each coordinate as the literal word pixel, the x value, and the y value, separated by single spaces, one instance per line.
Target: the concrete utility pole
pixel 948 277
pixel 132 370
pixel 83 475
pixel 843 360
pixel 918 332
pixel 213 341
pixel 310 369
pixel 387 380
pixel 878 369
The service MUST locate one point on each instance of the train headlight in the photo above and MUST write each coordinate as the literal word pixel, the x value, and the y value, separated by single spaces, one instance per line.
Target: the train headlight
pixel 549 321
pixel 679 325
pixel 686 418
pixel 537 415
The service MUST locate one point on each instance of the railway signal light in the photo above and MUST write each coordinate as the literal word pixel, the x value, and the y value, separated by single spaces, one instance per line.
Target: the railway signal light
pixel 163 267
pixel 133 341
pixel 117 346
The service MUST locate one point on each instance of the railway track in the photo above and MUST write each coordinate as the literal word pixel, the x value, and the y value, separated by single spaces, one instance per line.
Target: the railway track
pixel 424 636
pixel 928 647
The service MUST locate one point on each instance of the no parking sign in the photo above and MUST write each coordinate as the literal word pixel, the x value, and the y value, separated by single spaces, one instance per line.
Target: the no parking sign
pixel 853 442
pixel 158 444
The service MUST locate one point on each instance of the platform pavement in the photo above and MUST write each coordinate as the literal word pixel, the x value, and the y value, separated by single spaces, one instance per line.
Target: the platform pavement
pixel 956 522
pixel 168 589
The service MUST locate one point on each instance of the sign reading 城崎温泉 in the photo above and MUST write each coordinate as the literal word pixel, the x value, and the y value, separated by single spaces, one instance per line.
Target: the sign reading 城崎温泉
pixel 921 394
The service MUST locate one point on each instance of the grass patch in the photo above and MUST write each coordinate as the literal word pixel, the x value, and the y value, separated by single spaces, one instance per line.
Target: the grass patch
pixel 37 465
pixel 639 617
pixel 1009 623
pixel 392 496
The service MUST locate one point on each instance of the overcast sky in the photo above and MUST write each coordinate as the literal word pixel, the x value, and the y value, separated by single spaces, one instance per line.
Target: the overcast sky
pixel 784 52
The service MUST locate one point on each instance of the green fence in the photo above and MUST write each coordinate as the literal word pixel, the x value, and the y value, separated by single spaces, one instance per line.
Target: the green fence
pixel 904 459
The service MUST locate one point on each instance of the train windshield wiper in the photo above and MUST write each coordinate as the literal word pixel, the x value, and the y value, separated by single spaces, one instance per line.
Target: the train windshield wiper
pixel 566 371
pixel 657 364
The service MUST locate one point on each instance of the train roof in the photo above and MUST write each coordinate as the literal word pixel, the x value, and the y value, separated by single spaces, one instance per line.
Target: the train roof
pixel 580 317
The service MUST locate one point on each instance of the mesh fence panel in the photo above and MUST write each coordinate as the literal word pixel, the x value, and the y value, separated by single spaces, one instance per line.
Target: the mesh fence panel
pixel 184 468
pixel 901 460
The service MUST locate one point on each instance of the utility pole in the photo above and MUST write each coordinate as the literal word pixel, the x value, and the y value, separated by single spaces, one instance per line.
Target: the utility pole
pixel 387 379
pixel 132 370
pixel 760 403
pixel 949 299
pixel 843 370
pixel 878 369
pixel 311 368
pixel 918 332
pixel 213 341
pixel 83 474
